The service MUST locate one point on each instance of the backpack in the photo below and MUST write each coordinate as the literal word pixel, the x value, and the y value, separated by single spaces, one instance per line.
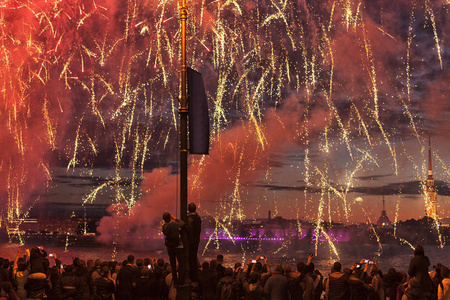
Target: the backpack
pixel 196 226
pixel 172 236
pixel 227 291
pixel 98 293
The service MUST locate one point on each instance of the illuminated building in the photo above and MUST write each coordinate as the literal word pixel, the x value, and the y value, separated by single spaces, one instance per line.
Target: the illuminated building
pixel 430 193
pixel 383 220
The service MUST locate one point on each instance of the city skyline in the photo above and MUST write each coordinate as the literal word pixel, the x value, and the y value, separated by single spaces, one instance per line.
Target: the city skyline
pixel 316 107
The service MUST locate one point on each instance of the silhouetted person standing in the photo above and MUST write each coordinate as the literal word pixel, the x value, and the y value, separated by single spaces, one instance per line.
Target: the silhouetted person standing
pixel 193 229
pixel 418 268
pixel 175 249
pixel 126 280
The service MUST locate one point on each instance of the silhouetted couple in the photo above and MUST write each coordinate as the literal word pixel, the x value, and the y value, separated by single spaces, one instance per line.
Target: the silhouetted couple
pixel 173 230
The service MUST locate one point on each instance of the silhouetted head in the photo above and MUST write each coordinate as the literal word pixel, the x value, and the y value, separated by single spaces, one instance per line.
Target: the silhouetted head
pixel 140 262
pixel 147 261
pixel 205 266
pixel 8 289
pixel 337 267
pixel 6 264
pixel 98 262
pixel 300 266
pixel 219 259
pixel 279 268
pixel 81 264
pixel 75 261
pixel 21 265
pixel 419 251
pixel 257 267
pixel 160 262
pixel 130 259
pixel 105 271
pixel 287 269
pixel 438 268
pixel 192 207
pixel 166 217
pixel 213 264
pixel 237 265
pixel 391 272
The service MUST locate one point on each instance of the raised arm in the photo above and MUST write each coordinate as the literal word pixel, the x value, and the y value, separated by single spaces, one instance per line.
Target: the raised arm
pixel 17 259
pixel 179 222
pixel 266 262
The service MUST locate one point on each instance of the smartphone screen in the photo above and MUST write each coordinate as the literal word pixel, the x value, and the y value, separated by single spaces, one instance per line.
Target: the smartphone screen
pixel 254 261
pixel 149 267
pixel 50 255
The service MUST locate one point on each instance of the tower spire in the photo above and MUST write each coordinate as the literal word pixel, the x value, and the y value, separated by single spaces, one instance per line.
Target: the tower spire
pixel 430 172
pixel 431 195
pixel 384 208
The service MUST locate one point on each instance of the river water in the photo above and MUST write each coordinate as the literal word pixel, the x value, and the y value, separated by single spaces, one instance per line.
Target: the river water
pixel 396 256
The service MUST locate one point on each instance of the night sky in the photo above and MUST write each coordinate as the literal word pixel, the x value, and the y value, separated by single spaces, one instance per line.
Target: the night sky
pixel 317 108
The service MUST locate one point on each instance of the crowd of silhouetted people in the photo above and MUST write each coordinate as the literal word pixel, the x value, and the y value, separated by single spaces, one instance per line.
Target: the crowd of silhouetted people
pixel 35 274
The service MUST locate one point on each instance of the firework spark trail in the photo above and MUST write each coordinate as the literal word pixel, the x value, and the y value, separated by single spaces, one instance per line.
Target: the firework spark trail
pixel 371 227
pixel 97 75
pixel 406 242
pixel 411 120
pixel 443 165
pixel 362 123
pixel 397 209
pixel 319 230
pixel 93 195
pixel 373 77
pixel 433 23
pixel 408 54
pixel 236 207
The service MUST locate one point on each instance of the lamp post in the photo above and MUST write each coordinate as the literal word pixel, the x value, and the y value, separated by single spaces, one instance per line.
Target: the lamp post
pixel 183 115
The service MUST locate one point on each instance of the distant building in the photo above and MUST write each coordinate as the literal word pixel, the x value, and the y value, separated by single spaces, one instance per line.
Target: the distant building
pixel 383 220
pixel 431 205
